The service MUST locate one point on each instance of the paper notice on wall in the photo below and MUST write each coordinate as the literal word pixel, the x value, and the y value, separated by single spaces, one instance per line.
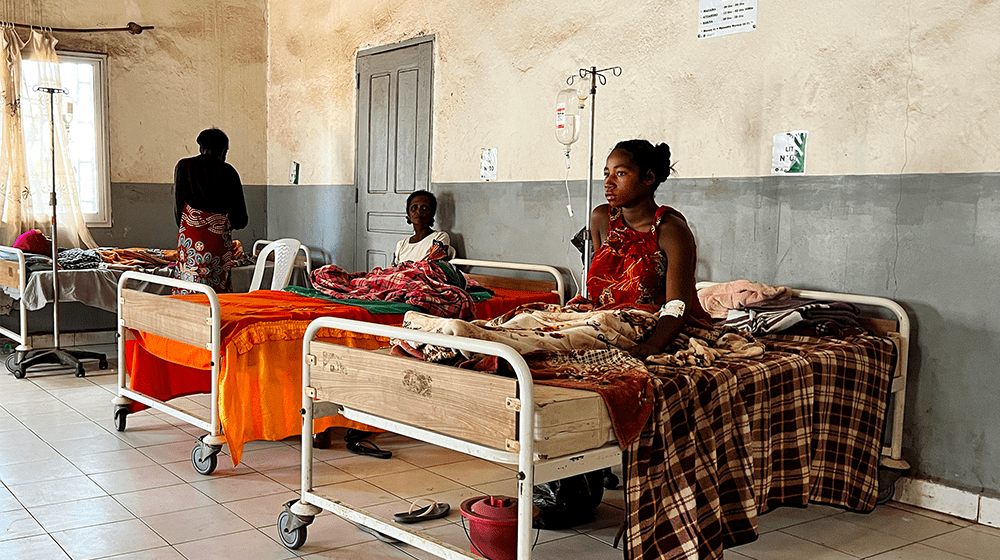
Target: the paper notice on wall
pixel 488 164
pixel 725 17
pixel 789 154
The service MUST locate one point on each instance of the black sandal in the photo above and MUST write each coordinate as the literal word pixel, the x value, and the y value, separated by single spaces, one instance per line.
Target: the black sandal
pixel 366 447
pixel 354 434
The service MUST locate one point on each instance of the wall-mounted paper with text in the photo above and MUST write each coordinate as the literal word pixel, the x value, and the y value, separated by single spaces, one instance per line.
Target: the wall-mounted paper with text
pixel 725 17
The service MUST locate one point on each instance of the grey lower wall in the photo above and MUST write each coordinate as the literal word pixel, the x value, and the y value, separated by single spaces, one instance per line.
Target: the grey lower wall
pixel 320 216
pixel 142 215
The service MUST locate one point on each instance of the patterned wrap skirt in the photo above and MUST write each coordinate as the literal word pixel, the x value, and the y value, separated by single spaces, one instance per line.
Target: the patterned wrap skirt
pixel 204 250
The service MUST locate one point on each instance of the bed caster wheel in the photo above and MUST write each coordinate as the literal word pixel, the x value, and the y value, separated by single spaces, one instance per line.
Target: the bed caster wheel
pixel 20 372
pixel 120 414
pixel 294 538
pixel 11 362
pixel 103 364
pixel 204 465
pixel 885 493
pixel 610 480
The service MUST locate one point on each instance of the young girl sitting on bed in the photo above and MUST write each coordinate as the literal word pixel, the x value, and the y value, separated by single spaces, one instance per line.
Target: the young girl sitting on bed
pixel 645 254
pixel 425 244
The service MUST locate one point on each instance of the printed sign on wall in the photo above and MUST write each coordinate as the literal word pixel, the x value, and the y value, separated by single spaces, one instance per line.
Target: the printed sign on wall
pixel 789 154
pixel 725 17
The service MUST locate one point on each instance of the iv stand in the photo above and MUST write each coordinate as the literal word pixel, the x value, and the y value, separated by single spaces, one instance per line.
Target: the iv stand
pixel 595 76
pixel 55 355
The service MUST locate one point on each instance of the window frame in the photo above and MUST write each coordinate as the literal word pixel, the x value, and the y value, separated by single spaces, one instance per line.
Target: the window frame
pixel 101 218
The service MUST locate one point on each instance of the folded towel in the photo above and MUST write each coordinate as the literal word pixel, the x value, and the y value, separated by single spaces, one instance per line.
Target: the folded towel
pixel 718 299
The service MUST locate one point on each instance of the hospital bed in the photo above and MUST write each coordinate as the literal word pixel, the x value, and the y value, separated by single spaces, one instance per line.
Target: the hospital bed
pixel 554 432
pixel 244 351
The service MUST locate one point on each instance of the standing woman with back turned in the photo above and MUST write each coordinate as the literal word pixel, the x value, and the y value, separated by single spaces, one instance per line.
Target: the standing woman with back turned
pixel 209 204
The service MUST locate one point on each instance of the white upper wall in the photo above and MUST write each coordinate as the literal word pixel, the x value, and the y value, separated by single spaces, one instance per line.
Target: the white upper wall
pixel 882 87
pixel 203 65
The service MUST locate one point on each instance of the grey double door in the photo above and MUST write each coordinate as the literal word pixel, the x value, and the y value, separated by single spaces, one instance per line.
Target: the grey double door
pixel 393 144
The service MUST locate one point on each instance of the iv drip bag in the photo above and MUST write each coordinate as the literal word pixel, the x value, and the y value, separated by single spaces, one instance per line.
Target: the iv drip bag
pixel 567 117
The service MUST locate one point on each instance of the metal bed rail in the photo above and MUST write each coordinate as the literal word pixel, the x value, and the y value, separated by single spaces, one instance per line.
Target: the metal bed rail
pixel 298 514
pixel 204 455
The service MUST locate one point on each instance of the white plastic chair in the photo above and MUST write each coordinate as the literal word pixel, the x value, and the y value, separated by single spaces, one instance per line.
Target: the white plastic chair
pixel 284 259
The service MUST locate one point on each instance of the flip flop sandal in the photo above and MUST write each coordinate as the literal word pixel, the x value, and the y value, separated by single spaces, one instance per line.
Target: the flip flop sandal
pixel 354 434
pixel 366 447
pixel 434 510
pixel 380 536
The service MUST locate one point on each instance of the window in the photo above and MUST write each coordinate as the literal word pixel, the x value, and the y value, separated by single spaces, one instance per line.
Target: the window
pixel 85 77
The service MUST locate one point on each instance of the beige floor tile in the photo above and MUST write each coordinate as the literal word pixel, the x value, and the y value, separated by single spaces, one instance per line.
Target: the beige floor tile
pixel 429 455
pixel 81 513
pixel 7 500
pixel 39 451
pixel 38 471
pixel 9 423
pixel 838 534
pixel 18 523
pixel 917 551
pixel 237 546
pixel 899 523
pixel 358 493
pixel 152 433
pixel 322 474
pixel 410 484
pixel 371 550
pixel 35 421
pixel 110 461
pixel 450 533
pixel 110 539
pixel 501 488
pixel 169 452
pixel 196 524
pixel 578 547
pixel 263 511
pixel 41 547
pixel 47 405
pixel 162 553
pixel 281 456
pixel 65 490
pixel 782 517
pixel 239 487
pixel 777 545
pixel 167 499
pixel 73 448
pixel 365 467
pixel 184 470
pixel 472 472
pixel 968 542
pixel 732 555
pixel 63 432
pixel 133 480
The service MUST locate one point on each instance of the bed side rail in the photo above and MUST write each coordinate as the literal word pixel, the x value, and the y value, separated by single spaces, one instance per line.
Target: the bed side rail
pixel 14 275
pixel 518 283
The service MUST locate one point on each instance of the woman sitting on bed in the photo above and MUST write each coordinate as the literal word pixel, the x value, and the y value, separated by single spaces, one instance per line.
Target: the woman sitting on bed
pixel 425 244
pixel 645 254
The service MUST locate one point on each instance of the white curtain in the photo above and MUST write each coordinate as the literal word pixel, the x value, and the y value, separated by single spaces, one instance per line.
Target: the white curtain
pixel 29 148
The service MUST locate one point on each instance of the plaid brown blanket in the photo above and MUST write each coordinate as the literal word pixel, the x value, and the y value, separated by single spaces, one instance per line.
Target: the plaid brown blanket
pixel 850 385
pixel 727 442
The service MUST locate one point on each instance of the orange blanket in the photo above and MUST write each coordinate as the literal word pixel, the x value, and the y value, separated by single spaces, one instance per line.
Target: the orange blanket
pixel 260 377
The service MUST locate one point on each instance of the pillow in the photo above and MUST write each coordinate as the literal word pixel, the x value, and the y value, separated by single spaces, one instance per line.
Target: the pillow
pixel 34 241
